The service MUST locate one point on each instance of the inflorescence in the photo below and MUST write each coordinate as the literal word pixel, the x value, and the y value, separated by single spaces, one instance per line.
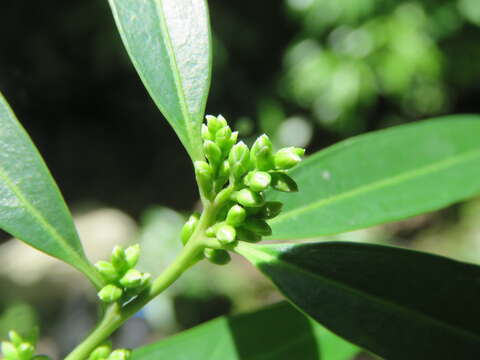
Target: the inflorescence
pixel 19 348
pixel 234 178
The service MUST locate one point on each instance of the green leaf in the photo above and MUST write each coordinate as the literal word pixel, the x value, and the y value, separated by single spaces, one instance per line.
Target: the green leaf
pixel 382 176
pixel 278 332
pixel 31 206
pixel 169 44
pixel 397 303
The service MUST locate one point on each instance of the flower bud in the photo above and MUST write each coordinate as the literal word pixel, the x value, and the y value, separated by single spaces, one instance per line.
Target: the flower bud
pixel 248 198
pixel 110 293
pixel 204 174
pixel 212 230
pixel 261 154
pixel 236 215
pixel 287 158
pixel 213 153
pixel 226 234
pixel 120 354
pixel 132 254
pixel 189 227
pixel 271 209
pixel 223 175
pixel 15 338
pixel 100 353
pixel 257 180
pixel 132 279
pixel 239 160
pixel 248 236
pixel 9 351
pixel 218 257
pixel 25 351
pixel 215 123
pixel 222 137
pixel 283 182
pixel 119 260
pixel 206 134
pixel 258 226
pixel 107 270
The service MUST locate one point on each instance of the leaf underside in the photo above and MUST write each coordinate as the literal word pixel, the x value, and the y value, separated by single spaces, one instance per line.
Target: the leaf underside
pixel 397 303
pixel 382 176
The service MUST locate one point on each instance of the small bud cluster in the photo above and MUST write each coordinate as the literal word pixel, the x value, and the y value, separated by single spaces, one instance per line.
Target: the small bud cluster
pixel 19 349
pixel 123 280
pixel 105 352
pixel 248 172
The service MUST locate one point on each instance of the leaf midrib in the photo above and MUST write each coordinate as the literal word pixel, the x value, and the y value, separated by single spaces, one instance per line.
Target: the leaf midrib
pixel 268 258
pixel 370 187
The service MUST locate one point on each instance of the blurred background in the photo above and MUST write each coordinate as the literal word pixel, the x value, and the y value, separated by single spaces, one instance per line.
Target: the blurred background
pixel 307 72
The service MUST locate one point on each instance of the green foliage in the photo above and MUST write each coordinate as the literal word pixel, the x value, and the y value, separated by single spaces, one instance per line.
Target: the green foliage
pixel 31 206
pixel 278 332
pixel 383 176
pixel 397 303
pixel 169 44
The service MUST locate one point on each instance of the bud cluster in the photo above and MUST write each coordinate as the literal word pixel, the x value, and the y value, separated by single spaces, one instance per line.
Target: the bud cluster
pixel 19 349
pixel 243 210
pixel 105 352
pixel 123 280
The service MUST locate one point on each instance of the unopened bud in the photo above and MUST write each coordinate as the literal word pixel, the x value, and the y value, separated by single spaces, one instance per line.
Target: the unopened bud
pixel 25 351
pixel 100 353
pixel 223 175
pixel 119 260
pixel 110 293
pixel 271 209
pixel 206 134
pixel 15 338
pixel 287 158
pixel 261 154
pixel 226 234
pixel 239 160
pixel 258 226
pixel 9 351
pixel 107 270
pixel 218 257
pixel 283 182
pixel 204 173
pixel 212 230
pixel 213 153
pixel 222 138
pixel 248 198
pixel 236 215
pixel 215 123
pixel 132 279
pixel 258 180
pixel 248 236
pixel 120 354
pixel 189 227
pixel 132 254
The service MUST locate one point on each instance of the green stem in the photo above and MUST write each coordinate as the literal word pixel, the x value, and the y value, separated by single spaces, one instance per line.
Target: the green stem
pixel 116 315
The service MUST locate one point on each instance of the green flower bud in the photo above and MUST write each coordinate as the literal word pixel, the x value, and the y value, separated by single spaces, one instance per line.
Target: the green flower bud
pixel 261 154
pixel 132 254
pixel 25 351
pixel 15 338
pixel 218 257
pixel 107 270
pixel 189 227
pixel 213 153
pixel 248 198
pixel 119 260
pixel 258 226
pixel 110 293
pixel 257 180
pixel 239 160
pixel 222 138
pixel 120 354
pixel 236 215
pixel 204 173
pixel 287 158
pixel 248 236
pixel 206 134
pixel 100 353
pixel 132 279
pixel 212 230
pixel 9 351
pixel 226 234
pixel 223 175
pixel 283 182
pixel 215 123
pixel 271 209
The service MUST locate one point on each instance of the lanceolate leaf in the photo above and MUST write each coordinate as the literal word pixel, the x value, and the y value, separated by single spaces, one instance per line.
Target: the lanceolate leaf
pixel 399 304
pixel 31 207
pixel 278 332
pixel 382 176
pixel 169 43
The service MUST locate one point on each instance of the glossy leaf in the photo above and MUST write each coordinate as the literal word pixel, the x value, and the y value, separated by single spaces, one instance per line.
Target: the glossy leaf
pixel 169 44
pixel 382 176
pixel 397 303
pixel 31 206
pixel 278 332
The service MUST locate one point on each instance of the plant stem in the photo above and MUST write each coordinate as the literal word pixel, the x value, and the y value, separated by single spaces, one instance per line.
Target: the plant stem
pixel 116 315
